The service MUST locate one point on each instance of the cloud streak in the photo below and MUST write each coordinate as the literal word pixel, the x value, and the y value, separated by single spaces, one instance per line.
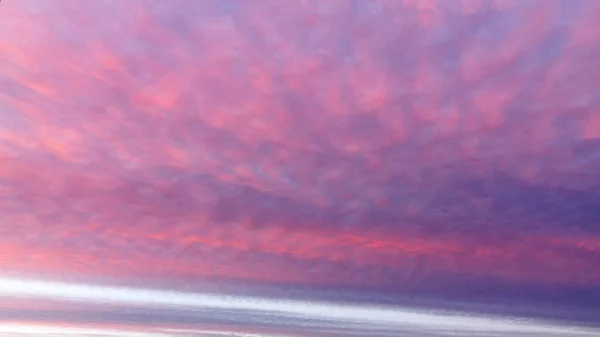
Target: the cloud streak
pixel 302 317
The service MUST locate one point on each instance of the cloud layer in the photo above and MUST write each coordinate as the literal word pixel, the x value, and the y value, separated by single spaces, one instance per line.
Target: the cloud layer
pixel 129 310
pixel 442 148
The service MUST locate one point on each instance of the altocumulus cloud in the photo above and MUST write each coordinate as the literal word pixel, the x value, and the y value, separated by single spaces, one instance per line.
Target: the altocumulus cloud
pixel 430 153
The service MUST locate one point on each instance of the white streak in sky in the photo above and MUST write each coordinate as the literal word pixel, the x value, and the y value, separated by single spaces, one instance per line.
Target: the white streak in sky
pixel 369 317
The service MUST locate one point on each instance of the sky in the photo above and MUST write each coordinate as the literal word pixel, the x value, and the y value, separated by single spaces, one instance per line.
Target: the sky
pixel 299 168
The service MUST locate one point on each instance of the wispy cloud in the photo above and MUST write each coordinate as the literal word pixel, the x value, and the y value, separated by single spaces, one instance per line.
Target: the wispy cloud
pixel 166 308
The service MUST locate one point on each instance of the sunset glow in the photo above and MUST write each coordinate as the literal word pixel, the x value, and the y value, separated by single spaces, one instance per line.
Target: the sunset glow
pixel 417 155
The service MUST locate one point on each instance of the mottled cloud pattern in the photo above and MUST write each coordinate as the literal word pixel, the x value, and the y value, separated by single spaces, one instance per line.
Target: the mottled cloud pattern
pixel 441 148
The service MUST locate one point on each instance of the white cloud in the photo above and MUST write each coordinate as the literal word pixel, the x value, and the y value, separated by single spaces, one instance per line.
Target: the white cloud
pixel 349 316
